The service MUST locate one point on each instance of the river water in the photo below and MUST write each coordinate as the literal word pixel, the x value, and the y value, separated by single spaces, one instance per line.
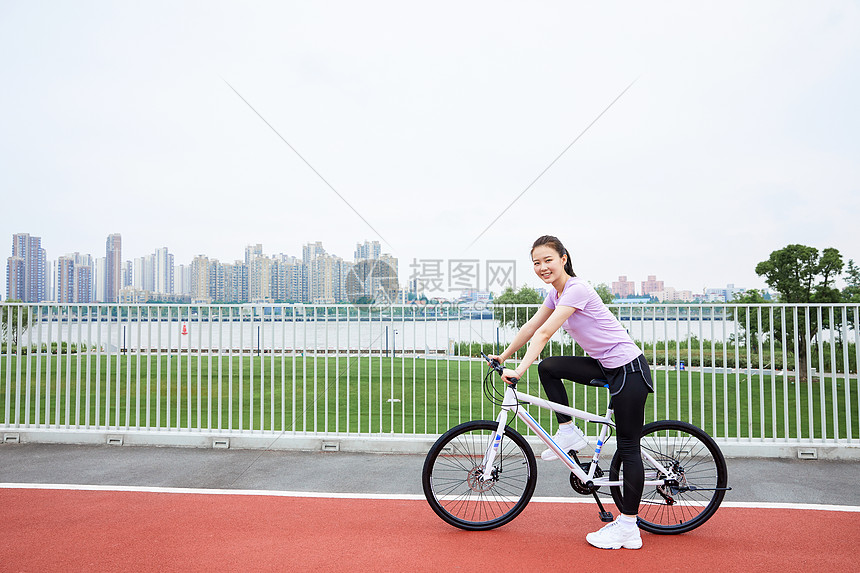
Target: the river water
pixel 432 336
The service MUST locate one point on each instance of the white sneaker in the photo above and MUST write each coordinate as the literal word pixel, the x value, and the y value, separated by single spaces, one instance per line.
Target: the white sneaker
pixel 615 535
pixel 567 441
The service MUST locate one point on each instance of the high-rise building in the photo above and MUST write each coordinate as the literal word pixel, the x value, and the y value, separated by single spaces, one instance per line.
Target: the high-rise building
pixel 372 280
pixel 218 283
pixel 368 250
pixel 383 284
pixel 226 293
pixel 139 275
pixel 324 279
pixel 81 260
pixel 113 267
pixel 184 282
pixel 622 288
pixel 238 282
pixel 200 291
pixel 65 277
pixel 83 284
pixel 163 271
pixel 73 283
pixel 287 279
pixel 310 251
pixel 260 273
pixel 149 273
pixel 228 282
pixel 35 273
pixel 16 278
pixel 341 286
pixel 651 286
pixel 145 273
pixel 50 281
pixel 253 251
pixel 99 279
pixel 128 274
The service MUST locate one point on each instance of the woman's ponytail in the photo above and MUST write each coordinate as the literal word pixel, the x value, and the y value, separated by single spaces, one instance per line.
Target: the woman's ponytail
pixel 568 266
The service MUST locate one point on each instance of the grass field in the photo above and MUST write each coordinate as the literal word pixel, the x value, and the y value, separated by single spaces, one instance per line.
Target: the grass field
pixel 381 395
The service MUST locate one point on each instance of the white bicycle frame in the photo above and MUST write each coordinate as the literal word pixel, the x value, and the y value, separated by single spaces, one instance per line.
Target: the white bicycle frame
pixel 513 402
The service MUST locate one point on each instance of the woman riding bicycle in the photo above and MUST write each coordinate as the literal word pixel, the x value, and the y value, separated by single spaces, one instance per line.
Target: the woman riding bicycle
pixel 573 304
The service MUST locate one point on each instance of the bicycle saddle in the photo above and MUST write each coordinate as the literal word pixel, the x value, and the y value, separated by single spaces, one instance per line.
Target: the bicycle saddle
pixel 598 383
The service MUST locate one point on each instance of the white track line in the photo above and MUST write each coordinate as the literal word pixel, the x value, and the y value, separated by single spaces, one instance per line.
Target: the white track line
pixel 384 496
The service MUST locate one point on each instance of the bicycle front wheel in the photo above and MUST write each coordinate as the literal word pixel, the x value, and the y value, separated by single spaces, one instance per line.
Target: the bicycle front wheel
pixel 695 487
pixel 453 476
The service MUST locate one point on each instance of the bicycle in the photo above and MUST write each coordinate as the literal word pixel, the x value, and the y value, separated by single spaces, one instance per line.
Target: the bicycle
pixel 481 474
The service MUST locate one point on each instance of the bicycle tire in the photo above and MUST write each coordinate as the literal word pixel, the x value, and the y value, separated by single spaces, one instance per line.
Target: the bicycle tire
pixel 689 450
pixel 453 465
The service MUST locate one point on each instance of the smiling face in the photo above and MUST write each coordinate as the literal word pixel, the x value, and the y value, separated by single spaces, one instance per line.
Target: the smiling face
pixel 549 265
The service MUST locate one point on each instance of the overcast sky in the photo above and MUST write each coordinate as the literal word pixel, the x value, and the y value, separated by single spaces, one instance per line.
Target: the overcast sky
pixel 740 135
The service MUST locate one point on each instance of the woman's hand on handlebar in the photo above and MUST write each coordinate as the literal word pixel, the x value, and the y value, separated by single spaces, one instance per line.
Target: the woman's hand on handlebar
pixel 496 358
pixel 510 376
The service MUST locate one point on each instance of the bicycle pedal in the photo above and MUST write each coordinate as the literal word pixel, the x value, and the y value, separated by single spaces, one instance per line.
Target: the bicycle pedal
pixel 606 516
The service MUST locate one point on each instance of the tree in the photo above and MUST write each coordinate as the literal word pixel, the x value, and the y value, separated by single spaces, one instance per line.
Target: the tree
pixel 9 323
pixel 604 293
pixel 752 297
pixel 515 317
pixel 851 293
pixel 799 274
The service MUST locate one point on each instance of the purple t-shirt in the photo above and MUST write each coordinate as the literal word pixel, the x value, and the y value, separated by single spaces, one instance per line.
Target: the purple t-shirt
pixel 592 326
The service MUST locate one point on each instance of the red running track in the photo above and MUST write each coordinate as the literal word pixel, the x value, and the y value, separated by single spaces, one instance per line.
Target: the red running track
pixel 62 530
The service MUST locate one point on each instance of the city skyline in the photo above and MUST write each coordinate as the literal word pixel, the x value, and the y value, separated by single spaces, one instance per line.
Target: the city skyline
pixel 75 277
pixel 318 276
pixel 277 122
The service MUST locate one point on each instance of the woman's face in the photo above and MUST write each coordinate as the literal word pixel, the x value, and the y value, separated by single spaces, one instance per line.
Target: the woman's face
pixel 548 264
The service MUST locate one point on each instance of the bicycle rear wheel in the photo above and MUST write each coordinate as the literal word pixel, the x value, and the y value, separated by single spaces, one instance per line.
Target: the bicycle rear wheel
pixel 453 476
pixel 700 477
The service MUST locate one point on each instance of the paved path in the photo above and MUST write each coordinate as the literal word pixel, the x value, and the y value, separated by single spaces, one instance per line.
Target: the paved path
pixel 752 480
pixel 61 530
pixel 249 525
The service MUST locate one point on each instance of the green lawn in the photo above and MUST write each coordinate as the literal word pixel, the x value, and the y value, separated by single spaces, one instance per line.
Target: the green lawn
pixel 379 395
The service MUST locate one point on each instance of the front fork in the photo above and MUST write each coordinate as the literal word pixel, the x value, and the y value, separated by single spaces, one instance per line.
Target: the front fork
pixel 493 449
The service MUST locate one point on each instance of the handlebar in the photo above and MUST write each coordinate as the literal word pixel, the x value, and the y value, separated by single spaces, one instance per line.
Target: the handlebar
pixel 494 364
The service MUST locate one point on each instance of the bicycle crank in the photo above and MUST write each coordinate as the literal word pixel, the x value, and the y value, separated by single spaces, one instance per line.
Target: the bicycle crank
pixel 577 484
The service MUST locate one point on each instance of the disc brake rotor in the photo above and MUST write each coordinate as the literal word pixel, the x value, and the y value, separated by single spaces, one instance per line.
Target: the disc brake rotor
pixel 477 482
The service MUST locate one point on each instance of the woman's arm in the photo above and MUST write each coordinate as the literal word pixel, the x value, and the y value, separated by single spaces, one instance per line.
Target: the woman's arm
pixel 525 333
pixel 539 340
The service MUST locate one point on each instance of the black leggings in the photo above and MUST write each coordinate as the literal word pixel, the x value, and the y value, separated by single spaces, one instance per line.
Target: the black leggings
pixel 628 404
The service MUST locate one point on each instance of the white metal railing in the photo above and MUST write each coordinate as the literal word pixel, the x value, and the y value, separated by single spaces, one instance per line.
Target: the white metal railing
pixel 746 373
